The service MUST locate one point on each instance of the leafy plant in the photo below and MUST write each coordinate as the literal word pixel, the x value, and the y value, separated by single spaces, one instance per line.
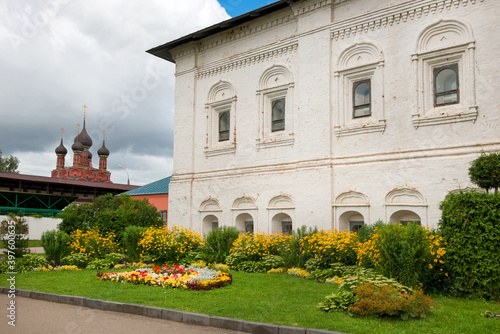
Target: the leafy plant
pixel 338 301
pixel 470 226
pixel 386 300
pixel 485 171
pixel 78 259
pixel 132 235
pixel 98 264
pixel 272 261
pixel 93 243
pixel 219 242
pixel 55 245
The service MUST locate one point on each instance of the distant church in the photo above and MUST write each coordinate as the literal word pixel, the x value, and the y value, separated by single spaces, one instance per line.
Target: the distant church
pixel 82 169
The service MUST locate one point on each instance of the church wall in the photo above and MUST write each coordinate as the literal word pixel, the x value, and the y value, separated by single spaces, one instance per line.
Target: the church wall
pixel 407 150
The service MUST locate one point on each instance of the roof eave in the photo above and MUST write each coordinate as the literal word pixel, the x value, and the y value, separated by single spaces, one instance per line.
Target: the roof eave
pixel 163 51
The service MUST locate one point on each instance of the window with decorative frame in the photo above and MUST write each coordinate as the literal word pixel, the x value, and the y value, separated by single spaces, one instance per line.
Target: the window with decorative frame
pixel 444 75
pixel 360 105
pixel 221 111
pixel 275 108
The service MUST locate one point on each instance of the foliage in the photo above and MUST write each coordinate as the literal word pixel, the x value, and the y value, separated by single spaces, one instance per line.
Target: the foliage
pixel 170 245
pixel 23 264
pixel 253 247
pixel 13 234
pixel 9 164
pixel 97 264
pixel 219 242
pixel 55 245
pixel 78 259
pixel 386 300
pixel 272 261
pixel 485 171
pixel 34 260
pixel 93 243
pixel 110 213
pixel 131 237
pixel 410 254
pixel 338 301
pixel 367 230
pixel 292 253
pixel 330 246
pixel 115 257
pixel 470 225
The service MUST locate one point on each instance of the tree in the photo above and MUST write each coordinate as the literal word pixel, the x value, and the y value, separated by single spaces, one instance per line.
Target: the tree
pixel 9 164
pixel 485 171
pixel 110 214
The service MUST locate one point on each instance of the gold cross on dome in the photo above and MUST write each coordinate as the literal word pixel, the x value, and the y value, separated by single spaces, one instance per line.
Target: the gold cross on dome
pixel 84 110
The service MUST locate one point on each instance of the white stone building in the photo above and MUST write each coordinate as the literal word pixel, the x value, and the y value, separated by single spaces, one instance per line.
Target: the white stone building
pixel 331 113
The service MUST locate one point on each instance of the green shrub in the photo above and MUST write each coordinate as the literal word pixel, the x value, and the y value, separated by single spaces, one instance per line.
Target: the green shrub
pixel 219 242
pixel 402 253
pixel 34 261
pixel 338 301
pixel 13 234
pixel 485 171
pixel 110 213
pixel 115 257
pixel 131 238
pixel 366 230
pixel 272 261
pixel 93 243
pixel 386 300
pixel 233 259
pixel 78 259
pixel 98 264
pixel 56 245
pixel 470 224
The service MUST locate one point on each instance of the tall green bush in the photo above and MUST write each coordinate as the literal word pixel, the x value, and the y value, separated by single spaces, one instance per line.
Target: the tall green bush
pixel 131 237
pixel 218 243
pixel 56 245
pixel 110 213
pixel 470 224
pixel 13 233
pixel 403 251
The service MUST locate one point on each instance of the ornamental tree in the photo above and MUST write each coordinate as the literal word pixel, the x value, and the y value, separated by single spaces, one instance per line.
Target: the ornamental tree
pixel 485 171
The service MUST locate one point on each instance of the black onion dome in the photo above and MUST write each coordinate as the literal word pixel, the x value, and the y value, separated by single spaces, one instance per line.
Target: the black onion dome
pixel 103 151
pixel 61 150
pixel 90 155
pixel 77 146
pixel 84 137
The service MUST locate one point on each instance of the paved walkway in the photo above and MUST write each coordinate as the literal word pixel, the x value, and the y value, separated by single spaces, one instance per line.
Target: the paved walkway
pixel 41 317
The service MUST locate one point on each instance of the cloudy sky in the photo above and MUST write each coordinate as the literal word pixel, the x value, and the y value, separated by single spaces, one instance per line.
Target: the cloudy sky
pixel 57 55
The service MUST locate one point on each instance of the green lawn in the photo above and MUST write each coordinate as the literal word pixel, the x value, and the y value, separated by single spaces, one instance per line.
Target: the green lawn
pixel 270 298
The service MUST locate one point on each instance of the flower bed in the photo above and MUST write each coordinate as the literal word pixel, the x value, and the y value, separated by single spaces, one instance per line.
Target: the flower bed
pixel 192 278
pixel 48 267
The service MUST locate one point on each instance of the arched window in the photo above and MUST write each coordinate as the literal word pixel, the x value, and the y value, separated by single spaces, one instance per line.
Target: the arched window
pixel 446 85
pixel 278 115
pixel 224 126
pixel 362 100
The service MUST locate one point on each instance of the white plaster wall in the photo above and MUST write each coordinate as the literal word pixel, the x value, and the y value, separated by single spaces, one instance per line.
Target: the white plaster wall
pixel 320 165
pixel 38 225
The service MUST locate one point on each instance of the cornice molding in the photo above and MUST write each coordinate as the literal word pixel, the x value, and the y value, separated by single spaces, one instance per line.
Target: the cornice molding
pixel 393 15
pixel 302 8
pixel 247 59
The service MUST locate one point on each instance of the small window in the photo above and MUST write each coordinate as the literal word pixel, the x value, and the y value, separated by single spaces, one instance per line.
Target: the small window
pixel 446 85
pixel 215 225
pixel 278 115
pixel 224 126
pixel 163 214
pixel 354 226
pixel 361 99
pixel 249 226
pixel 286 226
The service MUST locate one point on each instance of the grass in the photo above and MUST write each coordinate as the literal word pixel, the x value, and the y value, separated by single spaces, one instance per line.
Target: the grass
pixel 278 299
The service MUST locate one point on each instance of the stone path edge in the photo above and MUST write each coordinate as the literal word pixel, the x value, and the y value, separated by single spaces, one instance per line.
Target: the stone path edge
pixel 168 314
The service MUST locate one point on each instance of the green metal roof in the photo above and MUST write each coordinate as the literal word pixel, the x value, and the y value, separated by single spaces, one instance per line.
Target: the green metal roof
pixel 157 187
